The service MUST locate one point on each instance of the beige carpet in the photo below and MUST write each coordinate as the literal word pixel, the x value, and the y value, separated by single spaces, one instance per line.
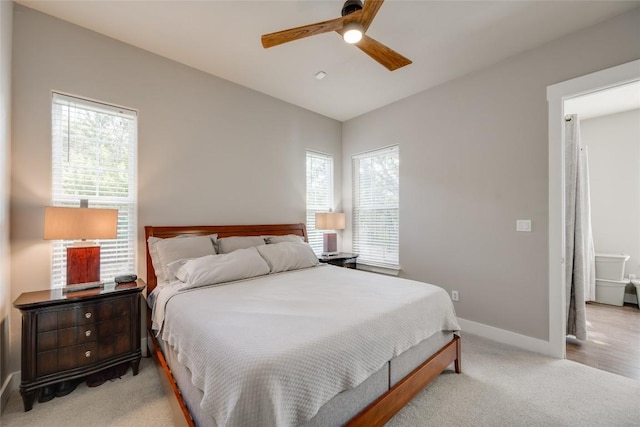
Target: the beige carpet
pixel 128 401
pixel 504 386
pixel 499 386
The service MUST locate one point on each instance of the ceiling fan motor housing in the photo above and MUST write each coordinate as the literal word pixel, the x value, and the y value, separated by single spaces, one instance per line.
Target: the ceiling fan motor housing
pixel 351 6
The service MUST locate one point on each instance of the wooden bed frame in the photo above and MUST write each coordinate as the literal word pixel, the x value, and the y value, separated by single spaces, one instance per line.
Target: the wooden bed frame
pixel 378 412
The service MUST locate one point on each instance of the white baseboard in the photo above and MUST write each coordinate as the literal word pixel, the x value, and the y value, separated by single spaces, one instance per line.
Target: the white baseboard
pixel 10 384
pixel 505 337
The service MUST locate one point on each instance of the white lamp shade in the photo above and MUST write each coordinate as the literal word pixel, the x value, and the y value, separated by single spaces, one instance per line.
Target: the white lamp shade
pixel 80 223
pixel 329 221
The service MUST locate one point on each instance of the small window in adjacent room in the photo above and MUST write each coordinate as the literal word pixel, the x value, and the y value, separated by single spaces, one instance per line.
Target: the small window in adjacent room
pixel 376 207
pixel 94 157
pixel 319 194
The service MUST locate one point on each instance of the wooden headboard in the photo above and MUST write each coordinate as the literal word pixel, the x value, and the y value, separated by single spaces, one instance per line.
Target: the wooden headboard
pixel 164 232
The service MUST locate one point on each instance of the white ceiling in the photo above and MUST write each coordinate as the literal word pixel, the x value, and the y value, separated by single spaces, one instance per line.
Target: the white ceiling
pixel 445 40
pixel 610 101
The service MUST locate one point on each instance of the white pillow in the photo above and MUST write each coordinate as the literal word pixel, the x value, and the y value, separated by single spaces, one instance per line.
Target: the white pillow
pixel 155 259
pixel 214 269
pixel 279 239
pixel 288 256
pixel 174 266
pixel 165 251
pixel 230 244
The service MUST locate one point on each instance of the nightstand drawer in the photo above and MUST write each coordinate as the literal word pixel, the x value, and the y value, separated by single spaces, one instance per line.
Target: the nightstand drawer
pixel 77 316
pixel 78 355
pixel 113 346
pixel 86 353
pixel 111 310
pixel 86 333
pixel 47 341
pixel 64 358
pixel 84 315
pixel 47 321
pixel 68 318
pixel 115 326
pixel 66 337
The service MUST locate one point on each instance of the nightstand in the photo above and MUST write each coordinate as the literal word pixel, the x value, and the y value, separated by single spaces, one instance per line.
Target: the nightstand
pixel 341 259
pixel 68 335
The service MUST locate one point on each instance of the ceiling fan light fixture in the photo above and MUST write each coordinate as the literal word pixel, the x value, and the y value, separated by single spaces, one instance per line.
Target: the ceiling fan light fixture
pixel 355 21
pixel 352 32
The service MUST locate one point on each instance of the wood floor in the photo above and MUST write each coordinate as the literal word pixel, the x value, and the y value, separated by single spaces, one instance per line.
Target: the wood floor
pixel 613 340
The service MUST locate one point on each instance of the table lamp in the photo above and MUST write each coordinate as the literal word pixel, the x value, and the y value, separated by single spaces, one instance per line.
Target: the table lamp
pixel 330 221
pixel 80 224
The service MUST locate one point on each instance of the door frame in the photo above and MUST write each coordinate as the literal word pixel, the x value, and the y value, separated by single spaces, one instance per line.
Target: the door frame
pixel 556 95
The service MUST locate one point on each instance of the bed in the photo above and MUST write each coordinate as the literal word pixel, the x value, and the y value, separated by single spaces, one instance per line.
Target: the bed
pixel 365 395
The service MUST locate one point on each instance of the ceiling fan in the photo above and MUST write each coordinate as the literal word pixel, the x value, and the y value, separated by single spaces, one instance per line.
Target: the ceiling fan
pixel 352 25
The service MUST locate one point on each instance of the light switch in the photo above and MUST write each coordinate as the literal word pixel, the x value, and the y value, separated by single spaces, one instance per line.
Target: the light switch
pixel 523 225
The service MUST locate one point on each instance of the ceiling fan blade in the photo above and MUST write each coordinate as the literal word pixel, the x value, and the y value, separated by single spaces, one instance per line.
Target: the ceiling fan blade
pixel 274 39
pixel 391 59
pixel 369 11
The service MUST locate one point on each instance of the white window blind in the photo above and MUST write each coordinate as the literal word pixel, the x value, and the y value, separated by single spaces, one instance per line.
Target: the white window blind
pixel 376 207
pixel 319 194
pixel 94 150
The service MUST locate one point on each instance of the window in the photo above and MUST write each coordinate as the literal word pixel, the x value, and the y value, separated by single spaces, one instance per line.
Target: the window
pixel 94 157
pixel 319 194
pixel 376 207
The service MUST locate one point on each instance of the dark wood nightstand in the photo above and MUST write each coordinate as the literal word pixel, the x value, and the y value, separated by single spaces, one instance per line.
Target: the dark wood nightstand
pixel 341 259
pixel 68 335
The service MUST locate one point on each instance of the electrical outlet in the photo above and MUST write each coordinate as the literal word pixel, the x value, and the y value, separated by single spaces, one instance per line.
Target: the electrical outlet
pixel 454 295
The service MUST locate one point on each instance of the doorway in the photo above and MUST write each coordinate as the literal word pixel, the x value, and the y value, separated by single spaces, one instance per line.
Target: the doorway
pixel 556 95
pixel 609 128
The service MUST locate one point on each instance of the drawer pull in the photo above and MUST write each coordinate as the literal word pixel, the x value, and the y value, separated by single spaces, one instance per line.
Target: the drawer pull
pixel 87 333
pixel 87 315
pixel 87 353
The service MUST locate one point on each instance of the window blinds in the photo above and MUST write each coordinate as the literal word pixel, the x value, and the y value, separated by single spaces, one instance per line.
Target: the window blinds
pixel 94 150
pixel 319 194
pixel 376 207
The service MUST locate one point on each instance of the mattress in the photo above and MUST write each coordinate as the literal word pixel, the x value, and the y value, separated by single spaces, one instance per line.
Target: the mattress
pixel 339 409
pixel 303 347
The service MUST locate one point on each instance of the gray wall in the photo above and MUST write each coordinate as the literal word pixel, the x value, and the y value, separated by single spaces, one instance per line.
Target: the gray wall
pixel 210 151
pixel 6 19
pixel 473 159
pixel 614 175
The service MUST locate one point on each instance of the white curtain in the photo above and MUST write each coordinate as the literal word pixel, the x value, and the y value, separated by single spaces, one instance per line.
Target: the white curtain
pixel 590 267
pixel 580 253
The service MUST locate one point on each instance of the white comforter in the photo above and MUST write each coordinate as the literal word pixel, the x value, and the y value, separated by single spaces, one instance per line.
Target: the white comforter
pixel 271 351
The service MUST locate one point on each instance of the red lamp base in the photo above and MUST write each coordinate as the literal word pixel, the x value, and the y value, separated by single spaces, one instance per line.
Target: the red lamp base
pixel 330 243
pixel 83 264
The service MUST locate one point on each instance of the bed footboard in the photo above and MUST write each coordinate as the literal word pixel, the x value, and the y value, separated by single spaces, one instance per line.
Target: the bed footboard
pixel 179 410
pixel 387 405
pixel 376 414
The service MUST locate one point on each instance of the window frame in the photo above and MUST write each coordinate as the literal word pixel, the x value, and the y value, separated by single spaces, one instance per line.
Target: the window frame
pixel 315 237
pixel 388 246
pixel 118 255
